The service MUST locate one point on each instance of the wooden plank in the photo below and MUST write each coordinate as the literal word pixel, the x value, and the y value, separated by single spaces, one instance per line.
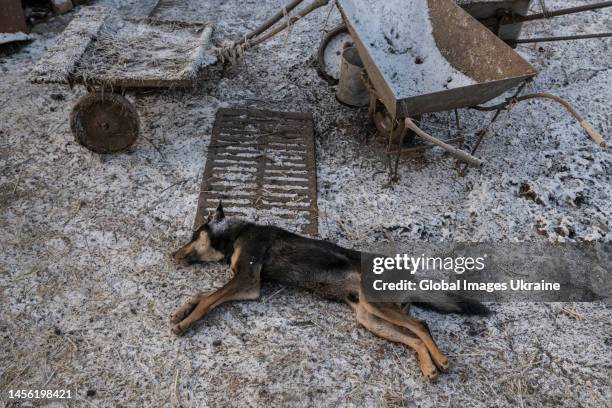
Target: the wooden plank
pixel 59 62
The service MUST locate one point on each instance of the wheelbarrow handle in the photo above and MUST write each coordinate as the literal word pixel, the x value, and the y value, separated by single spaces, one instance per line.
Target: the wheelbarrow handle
pixel 561 12
pixel 457 153
pixel 271 21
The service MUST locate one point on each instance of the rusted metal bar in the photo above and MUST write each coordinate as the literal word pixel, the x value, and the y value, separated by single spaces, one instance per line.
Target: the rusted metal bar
pixel 399 151
pixel 560 38
pixel 561 12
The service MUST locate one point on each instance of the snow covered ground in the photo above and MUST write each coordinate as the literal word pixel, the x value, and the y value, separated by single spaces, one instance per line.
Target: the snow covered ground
pixel 87 282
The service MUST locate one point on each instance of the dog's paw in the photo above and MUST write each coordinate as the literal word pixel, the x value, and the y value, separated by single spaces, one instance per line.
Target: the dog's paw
pixel 177 330
pixel 429 370
pixel 442 363
pixel 185 310
pixel 181 313
pixel 431 374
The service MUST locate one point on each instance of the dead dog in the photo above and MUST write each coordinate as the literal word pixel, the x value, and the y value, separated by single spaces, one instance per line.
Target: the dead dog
pixel 259 253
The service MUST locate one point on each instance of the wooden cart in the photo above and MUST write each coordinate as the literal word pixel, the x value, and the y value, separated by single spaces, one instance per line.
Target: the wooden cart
pixel 111 56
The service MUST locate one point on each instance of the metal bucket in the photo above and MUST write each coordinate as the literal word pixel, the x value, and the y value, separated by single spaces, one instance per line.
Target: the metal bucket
pixel 351 88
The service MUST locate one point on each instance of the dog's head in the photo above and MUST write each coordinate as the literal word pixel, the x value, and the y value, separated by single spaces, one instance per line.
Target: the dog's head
pixel 202 248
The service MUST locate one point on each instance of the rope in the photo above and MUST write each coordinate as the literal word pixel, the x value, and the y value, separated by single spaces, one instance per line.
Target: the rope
pixel 232 51
pixel 593 134
pixel 289 26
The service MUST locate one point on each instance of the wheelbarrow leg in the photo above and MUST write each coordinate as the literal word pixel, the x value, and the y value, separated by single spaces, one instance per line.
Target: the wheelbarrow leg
pixel 404 130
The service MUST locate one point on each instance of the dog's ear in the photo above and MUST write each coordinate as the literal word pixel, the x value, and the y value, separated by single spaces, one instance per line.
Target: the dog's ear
pixel 219 215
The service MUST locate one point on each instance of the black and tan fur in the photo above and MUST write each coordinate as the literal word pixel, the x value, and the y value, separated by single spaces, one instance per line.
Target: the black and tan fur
pixel 259 253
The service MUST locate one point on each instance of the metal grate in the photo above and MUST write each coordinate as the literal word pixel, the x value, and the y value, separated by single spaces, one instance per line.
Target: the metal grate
pixel 261 165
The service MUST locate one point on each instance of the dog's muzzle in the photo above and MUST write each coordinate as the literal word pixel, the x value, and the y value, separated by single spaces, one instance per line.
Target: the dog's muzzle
pixel 189 258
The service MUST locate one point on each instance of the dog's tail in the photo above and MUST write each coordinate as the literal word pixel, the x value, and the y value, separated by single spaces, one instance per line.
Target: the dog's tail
pixel 450 303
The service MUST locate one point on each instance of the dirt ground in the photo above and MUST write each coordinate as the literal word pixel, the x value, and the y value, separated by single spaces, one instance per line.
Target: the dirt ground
pixel 88 285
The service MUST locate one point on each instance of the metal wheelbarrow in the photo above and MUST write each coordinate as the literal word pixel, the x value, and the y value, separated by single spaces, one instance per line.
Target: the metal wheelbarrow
pixel 427 56
pixel 422 56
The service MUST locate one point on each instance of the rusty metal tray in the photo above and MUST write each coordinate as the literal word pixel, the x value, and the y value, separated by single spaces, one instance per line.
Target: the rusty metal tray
pixel 100 48
pixel 261 165
pixel 427 56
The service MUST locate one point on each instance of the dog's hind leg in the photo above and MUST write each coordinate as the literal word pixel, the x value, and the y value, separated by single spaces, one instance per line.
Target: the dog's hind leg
pixel 245 285
pixel 392 313
pixel 391 332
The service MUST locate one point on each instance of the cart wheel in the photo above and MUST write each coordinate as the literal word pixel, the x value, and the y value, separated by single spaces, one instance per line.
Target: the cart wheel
pixel 104 122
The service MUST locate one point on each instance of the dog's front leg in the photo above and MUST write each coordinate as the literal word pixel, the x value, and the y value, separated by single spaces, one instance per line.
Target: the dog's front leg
pixel 245 285
pixel 185 310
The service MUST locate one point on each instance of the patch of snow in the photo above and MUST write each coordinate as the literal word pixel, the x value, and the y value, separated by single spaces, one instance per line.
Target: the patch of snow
pixel 86 238
pixel 6 38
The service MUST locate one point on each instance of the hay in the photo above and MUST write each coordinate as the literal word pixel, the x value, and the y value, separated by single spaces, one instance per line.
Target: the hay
pixel 146 50
pixel 102 48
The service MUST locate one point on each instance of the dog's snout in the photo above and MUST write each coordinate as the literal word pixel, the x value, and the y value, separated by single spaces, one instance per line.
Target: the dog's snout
pixel 185 255
pixel 179 254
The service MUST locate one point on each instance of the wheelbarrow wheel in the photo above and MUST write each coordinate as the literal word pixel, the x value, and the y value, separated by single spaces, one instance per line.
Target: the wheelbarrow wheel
pixel 388 128
pixel 104 122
